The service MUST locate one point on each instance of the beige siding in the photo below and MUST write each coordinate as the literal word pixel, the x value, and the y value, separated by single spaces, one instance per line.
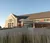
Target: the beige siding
pixel 14 21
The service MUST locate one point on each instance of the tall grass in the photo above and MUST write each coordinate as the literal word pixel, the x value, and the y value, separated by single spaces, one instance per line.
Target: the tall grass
pixel 25 37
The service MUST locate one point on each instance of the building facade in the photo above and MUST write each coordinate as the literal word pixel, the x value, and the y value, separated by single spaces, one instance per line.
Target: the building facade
pixel 40 20
pixel 13 21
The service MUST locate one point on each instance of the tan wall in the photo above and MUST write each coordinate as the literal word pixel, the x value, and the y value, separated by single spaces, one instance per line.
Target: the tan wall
pixel 14 21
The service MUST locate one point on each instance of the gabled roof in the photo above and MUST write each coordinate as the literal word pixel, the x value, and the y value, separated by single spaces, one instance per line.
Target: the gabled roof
pixel 20 17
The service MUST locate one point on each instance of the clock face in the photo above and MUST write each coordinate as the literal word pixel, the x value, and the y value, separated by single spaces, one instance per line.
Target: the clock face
pixel 10 20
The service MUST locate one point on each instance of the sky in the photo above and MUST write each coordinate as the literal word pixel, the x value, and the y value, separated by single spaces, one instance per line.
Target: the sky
pixel 21 7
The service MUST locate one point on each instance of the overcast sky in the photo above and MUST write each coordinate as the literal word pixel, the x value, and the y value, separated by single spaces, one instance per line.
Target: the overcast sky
pixel 21 7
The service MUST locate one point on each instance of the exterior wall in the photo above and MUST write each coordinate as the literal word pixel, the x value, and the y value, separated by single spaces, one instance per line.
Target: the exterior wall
pixel 42 20
pixel 14 21
pixel 22 24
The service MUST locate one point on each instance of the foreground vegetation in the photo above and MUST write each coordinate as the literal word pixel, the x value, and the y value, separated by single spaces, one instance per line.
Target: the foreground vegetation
pixel 29 36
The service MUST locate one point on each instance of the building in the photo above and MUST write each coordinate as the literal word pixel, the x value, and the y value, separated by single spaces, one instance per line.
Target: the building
pixel 40 20
pixel 13 21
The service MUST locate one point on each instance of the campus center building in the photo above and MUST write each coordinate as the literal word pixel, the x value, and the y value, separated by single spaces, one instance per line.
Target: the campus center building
pixel 40 20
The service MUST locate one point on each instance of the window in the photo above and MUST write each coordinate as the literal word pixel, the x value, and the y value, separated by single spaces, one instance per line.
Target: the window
pixel 37 20
pixel 10 25
pixel 48 19
pixel 10 20
pixel 42 20
pixel 45 19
